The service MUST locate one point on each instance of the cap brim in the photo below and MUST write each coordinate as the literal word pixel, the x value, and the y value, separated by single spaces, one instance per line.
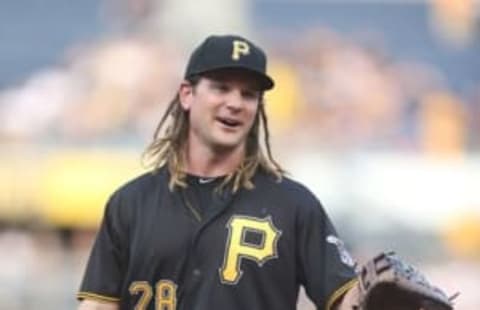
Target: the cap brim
pixel 266 82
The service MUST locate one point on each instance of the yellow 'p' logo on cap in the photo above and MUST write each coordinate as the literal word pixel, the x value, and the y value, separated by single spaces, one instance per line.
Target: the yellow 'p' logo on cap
pixel 240 48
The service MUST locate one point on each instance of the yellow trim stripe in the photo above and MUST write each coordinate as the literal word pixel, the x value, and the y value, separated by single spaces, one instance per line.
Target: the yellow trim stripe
pixel 339 292
pixel 97 297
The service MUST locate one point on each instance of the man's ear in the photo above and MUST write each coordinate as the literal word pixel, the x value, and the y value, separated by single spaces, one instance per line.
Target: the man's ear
pixel 185 94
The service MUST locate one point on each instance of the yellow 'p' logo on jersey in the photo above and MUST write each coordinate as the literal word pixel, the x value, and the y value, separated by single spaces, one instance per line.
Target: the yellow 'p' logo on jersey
pixel 238 247
pixel 240 48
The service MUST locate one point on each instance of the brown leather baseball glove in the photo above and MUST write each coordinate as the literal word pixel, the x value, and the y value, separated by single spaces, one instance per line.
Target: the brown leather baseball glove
pixel 388 283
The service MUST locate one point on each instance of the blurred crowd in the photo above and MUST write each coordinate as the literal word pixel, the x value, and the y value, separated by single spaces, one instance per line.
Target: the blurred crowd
pixel 346 96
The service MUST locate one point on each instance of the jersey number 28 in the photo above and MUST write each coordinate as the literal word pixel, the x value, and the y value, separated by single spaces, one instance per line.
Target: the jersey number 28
pixel 165 294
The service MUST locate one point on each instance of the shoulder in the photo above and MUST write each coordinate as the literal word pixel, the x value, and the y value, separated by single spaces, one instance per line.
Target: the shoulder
pixel 291 198
pixel 288 190
pixel 136 194
pixel 137 191
pixel 143 184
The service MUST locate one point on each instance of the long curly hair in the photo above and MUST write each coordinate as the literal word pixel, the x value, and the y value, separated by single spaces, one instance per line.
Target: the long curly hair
pixel 170 137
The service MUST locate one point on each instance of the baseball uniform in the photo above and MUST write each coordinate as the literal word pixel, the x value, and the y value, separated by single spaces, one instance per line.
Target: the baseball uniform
pixel 202 249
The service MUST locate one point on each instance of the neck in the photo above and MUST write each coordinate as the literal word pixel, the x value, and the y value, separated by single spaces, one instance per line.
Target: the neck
pixel 204 161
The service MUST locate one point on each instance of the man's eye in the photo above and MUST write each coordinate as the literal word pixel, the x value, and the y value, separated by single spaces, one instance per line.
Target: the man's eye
pixel 220 87
pixel 250 94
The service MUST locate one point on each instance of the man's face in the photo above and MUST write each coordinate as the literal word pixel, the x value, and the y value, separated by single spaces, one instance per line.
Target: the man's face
pixel 222 109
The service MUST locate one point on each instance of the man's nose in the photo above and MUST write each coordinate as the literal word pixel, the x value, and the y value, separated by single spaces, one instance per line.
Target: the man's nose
pixel 235 100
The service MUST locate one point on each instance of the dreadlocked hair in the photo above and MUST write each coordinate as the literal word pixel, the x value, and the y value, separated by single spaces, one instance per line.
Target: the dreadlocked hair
pixel 169 140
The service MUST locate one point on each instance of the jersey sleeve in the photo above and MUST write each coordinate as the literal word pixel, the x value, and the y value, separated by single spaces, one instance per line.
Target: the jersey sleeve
pixel 326 268
pixel 103 278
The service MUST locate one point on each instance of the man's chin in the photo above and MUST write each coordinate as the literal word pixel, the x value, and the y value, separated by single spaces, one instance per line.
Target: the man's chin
pixel 227 146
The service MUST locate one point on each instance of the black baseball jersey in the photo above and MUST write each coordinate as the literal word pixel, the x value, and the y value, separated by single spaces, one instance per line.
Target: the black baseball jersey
pixel 251 250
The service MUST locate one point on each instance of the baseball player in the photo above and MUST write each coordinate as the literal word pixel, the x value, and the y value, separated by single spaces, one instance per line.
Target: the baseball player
pixel 216 224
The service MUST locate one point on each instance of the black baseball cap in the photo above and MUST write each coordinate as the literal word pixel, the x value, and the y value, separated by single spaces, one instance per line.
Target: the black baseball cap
pixel 229 52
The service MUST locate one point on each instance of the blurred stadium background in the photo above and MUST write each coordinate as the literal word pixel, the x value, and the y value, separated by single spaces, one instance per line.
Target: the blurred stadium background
pixel 377 109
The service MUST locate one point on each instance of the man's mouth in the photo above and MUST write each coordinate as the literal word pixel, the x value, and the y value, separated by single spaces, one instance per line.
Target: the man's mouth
pixel 229 122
